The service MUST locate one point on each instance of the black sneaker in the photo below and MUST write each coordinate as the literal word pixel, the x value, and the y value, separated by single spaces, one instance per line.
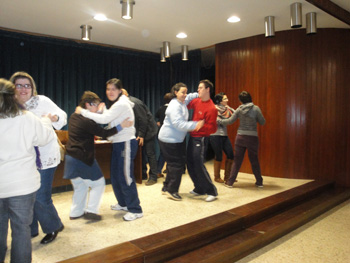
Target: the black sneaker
pixel 92 216
pixel 163 190
pixel 259 185
pixel 174 196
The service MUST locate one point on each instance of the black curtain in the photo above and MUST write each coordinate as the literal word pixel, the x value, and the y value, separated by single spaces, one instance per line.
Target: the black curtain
pixel 64 69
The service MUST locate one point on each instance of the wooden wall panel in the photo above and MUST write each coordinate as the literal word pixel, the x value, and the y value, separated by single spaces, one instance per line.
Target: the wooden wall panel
pixel 302 85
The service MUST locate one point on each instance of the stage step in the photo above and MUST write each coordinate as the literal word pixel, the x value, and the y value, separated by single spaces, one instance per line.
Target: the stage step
pixel 247 241
pixel 230 235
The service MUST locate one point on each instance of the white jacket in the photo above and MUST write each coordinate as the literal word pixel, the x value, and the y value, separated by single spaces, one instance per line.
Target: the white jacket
pixel 18 136
pixel 119 111
pixel 41 105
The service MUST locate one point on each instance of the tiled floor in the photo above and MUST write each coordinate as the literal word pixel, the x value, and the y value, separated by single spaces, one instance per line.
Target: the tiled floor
pixel 80 236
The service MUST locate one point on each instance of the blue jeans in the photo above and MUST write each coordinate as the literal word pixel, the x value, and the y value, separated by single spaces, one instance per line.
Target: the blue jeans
pixel 122 175
pixel 19 210
pixel 44 211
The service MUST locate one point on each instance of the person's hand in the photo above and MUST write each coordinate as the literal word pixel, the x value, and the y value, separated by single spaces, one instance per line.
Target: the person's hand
pixel 126 123
pixel 158 123
pixel 101 107
pixel 199 125
pixel 53 118
pixel 78 110
pixel 140 139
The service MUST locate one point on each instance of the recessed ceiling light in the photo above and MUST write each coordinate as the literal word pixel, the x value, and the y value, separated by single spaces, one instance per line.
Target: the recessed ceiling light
pixel 100 17
pixel 233 19
pixel 181 35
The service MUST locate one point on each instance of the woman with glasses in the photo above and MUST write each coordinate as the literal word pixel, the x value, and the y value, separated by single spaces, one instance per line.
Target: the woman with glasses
pixel 20 131
pixel 48 156
pixel 219 140
pixel 124 149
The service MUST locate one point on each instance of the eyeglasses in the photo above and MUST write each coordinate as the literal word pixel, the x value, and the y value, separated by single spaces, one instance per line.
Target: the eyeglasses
pixel 94 104
pixel 25 86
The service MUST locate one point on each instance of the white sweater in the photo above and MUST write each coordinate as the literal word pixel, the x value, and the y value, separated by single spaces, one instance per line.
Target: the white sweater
pixel 41 105
pixel 119 111
pixel 18 136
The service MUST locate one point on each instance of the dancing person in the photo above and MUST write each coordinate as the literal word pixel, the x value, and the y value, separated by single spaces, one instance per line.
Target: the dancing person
pixel 124 149
pixel 220 141
pixel 203 109
pixel 172 138
pixel 45 212
pixel 247 137
pixel 21 131
pixel 160 116
pixel 81 166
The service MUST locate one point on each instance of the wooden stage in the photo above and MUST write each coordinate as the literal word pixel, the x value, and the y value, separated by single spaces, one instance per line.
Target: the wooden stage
pixel 230 235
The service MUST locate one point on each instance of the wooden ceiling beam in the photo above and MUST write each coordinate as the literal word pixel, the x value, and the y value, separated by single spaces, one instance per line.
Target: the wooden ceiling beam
pixel 332 9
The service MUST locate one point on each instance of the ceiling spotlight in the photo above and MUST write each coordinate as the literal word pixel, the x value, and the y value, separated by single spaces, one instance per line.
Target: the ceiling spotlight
pixel 311 23
pixel 166 49
pixel 100 17
pixel 269 26
pixel 86 32
pixel 295 15
pixel 162 56
pixel 181 35
pixel 184 52
pixel 127 7
pixel 233 19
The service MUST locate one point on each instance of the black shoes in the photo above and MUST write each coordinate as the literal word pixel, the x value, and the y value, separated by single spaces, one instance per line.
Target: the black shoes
pixel 75 217
pixel 92 216
pixel 174 196
pixel 151 182
pixel 51 236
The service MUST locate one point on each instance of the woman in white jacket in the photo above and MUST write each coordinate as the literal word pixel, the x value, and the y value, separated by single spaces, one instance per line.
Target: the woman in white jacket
pixel 44 210
pixel 20 132
pixel 124 149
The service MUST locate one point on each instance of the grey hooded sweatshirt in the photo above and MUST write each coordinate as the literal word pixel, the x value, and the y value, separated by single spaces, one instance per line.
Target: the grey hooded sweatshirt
pixel 249 115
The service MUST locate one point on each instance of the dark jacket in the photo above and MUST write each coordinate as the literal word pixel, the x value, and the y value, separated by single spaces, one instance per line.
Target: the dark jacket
pixel 81 132
pixel 145 125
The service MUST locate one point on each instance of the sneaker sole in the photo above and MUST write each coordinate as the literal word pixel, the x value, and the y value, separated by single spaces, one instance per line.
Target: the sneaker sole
pixel 116 209
pixel 137 217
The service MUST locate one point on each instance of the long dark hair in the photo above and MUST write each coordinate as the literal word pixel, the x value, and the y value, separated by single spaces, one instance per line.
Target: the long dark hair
pixel 9 106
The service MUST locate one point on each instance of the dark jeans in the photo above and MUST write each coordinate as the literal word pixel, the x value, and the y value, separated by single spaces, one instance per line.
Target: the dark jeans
pixel 219 144
pixel 160 163
pixel 44 210
pixel 19 210
pixel 122 175
pixel 149 155
pixel 175 156
pixel 243 143
pixel 196 150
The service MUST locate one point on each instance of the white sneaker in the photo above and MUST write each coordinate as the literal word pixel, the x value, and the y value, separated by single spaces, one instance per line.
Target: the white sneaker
pixel 132 216
pixel 119 207
pixel 210 198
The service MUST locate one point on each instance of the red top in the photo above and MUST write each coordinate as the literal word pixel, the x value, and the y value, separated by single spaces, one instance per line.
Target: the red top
pixel 204 110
